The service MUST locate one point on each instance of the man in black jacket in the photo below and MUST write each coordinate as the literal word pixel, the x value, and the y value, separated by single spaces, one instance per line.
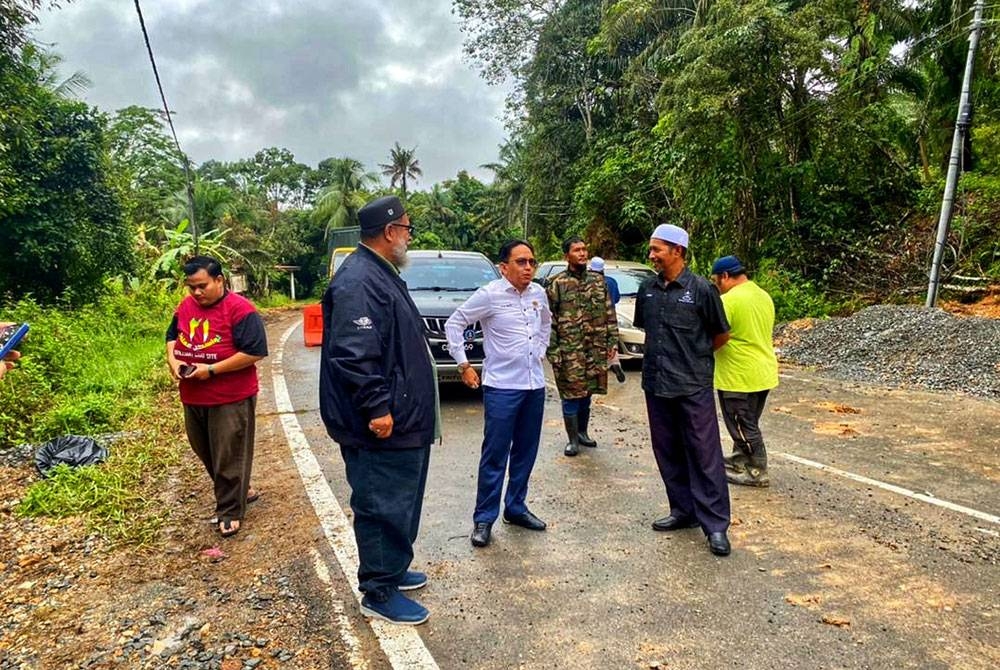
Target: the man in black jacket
pixel 377 398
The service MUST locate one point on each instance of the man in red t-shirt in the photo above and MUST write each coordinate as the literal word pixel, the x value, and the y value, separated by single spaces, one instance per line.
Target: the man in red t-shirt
pixel 213 342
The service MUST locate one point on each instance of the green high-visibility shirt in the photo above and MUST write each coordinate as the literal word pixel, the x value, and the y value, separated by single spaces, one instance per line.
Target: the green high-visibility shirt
pixel 747 363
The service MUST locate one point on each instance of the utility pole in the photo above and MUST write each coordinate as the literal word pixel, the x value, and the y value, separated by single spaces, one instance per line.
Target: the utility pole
pixel 954 165
pixel 525 219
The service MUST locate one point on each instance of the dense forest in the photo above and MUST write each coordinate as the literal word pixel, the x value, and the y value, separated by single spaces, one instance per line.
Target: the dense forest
pixel 810 137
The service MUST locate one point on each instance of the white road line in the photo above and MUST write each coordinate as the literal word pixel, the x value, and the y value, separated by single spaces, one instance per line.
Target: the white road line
pixel 402 645
pixel 355 657
pixel 923 497
pixel 785 375
pixel 968 511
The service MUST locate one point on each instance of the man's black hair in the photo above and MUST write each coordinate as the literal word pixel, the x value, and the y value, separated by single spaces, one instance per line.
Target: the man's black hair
pixel 510 245
pixel 684 251
pixel 210 265
pixel 569 242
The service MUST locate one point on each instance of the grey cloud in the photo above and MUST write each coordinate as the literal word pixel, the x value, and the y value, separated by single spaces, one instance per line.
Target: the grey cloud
pixel 313 78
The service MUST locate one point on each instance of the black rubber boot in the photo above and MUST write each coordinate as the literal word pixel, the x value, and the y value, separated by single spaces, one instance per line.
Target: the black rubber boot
pixel 572 431
pixel 583 420
pixel 735 462
pixel 750 476
pixel 616 369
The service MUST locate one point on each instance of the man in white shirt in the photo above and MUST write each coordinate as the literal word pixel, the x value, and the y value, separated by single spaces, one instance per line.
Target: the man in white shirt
pixel 516 321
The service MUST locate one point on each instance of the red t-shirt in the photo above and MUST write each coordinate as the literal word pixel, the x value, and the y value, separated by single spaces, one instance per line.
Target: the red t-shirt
pixel 205 335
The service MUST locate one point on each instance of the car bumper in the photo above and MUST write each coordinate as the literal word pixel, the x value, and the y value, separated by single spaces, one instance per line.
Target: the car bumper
pixel 631 343
pixel 448 372
pixel 447 368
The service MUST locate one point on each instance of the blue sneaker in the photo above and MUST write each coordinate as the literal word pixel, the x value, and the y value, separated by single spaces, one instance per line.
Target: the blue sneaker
pixel 396 609
pixel 412 581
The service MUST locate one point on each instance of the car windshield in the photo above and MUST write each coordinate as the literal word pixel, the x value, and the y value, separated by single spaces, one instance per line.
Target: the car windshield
pixel 629 278
pixel 447 274
pixel 338 260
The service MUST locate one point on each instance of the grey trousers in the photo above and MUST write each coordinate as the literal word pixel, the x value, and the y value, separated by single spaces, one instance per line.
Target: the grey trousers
pixel 741 413
pixel 223 438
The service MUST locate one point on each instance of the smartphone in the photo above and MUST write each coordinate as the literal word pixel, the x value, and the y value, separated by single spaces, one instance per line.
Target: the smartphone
pixel 186 370
pixel 10 336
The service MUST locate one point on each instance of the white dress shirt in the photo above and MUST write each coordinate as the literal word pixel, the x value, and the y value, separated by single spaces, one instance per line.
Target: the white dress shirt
pixel 516 329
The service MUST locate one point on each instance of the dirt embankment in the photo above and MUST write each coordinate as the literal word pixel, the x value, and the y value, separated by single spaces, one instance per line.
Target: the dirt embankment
pixel 192 600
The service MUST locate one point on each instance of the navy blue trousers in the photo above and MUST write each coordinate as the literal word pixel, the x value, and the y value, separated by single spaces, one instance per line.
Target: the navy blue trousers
pixel 685 436
pixel 387 495
pixel 513 426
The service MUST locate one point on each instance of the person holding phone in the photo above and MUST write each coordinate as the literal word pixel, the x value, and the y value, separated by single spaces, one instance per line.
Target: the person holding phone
pixel 213 343
pixel 12 354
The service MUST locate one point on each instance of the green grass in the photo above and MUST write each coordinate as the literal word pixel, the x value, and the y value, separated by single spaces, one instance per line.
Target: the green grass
pixel 111 496
pixel 85 371
pixel 98 369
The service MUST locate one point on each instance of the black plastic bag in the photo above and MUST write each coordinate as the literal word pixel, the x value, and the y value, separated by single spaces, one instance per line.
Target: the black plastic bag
pixel 73 450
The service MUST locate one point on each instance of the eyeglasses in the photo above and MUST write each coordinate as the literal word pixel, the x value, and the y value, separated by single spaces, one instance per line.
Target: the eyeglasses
pixel 524 262
pixel 409 229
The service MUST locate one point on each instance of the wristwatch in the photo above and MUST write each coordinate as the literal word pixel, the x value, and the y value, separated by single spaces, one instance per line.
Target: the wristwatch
pixel 211 370
pixel 462 367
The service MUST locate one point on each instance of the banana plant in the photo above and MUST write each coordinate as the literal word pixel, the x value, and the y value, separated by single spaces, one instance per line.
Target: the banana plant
pixel 179 246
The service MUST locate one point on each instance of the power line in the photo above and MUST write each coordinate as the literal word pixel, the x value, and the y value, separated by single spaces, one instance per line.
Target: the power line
pixel 173 132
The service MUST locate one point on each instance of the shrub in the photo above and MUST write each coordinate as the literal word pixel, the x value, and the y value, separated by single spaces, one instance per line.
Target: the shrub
pixel 794 297
pixel 85 370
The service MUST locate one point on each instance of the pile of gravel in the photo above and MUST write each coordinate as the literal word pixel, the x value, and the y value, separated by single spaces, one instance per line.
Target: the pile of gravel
pixel 900 346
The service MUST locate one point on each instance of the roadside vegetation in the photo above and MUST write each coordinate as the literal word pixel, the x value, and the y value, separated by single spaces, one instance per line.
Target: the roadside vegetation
pixel 811 138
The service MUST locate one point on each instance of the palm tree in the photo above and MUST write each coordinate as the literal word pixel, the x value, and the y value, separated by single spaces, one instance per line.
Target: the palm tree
pixel 509 190
pixel 347 173
pixel 403 165
pixel 337 204
pixel 46 66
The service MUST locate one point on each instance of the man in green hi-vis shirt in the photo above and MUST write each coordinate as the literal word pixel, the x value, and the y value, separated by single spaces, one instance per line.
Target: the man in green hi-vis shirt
pixel 745 369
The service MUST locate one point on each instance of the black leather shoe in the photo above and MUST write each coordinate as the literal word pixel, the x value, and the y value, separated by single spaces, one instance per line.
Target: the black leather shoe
pixel 481 534
pixel 671 522
pixel 526 520
pixel 718 543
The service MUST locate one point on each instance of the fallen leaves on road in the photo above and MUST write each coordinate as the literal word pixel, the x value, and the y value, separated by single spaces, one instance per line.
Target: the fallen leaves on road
pixel 838 429
pixel 837 408
pixel 834 620
pixel 804 600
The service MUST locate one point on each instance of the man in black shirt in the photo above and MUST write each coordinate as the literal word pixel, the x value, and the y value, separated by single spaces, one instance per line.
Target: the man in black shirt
pixel 685 323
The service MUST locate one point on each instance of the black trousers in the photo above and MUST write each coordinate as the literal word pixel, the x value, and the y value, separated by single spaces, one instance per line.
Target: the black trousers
pixel 742 412
pixel 387 495
pixel 223 437
pixel 685 436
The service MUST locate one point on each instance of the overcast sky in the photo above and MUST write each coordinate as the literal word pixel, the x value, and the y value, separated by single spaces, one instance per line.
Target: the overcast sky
pixel 321 78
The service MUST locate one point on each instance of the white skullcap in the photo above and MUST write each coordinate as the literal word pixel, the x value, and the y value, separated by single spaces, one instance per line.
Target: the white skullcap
pixel 671 233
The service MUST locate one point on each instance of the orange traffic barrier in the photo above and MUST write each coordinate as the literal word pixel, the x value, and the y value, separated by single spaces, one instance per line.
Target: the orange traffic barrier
pixel 312 325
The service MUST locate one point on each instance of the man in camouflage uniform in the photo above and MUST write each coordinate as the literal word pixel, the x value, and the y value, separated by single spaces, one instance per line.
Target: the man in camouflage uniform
pixel 584 338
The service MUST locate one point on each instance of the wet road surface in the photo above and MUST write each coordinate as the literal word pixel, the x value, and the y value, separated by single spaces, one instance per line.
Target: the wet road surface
pixel 826 572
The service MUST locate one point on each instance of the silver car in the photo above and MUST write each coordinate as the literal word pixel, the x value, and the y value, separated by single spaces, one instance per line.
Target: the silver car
pixel 629 275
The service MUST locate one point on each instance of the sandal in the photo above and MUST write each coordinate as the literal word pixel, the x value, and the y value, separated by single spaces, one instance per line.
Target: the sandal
pixel 229 527
pixel 252 497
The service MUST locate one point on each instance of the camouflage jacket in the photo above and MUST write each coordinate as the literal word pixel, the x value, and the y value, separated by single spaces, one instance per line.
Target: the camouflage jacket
pixel 584 329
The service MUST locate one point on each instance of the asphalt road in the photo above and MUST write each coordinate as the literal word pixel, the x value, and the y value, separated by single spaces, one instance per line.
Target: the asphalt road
pixel 826 572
